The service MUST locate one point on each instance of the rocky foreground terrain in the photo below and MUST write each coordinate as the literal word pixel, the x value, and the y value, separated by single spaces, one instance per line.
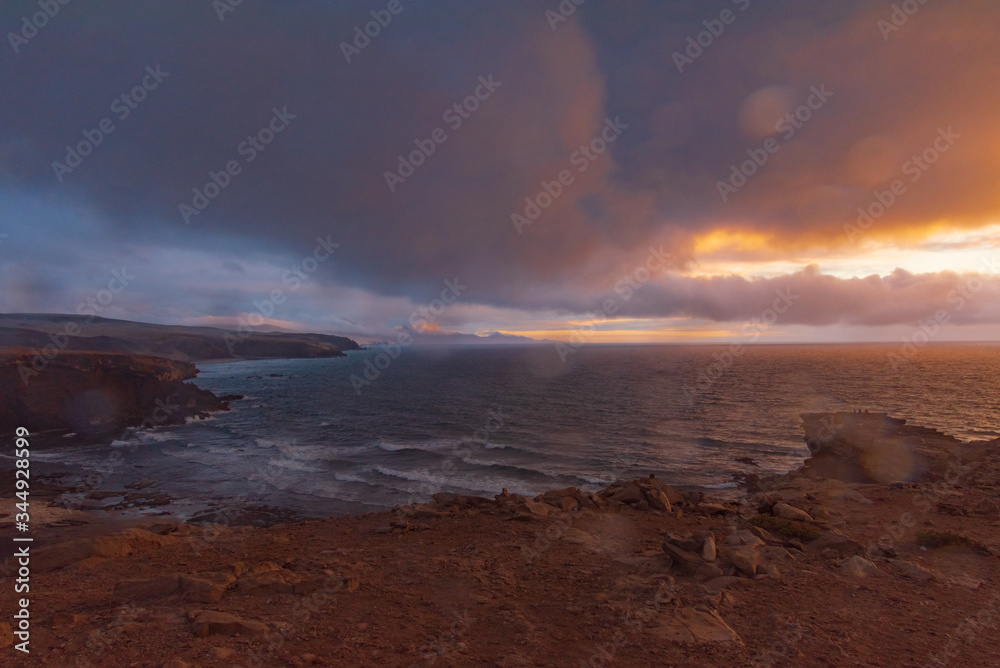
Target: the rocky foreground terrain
pixel 803 570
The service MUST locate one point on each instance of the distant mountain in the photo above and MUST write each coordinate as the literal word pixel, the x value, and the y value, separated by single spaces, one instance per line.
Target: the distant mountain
pixel 424 338
pixel 35 331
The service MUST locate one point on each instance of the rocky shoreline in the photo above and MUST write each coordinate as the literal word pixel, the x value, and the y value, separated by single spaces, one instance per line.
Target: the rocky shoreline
pixel 95 394
pixel 93 376
pixel 803 569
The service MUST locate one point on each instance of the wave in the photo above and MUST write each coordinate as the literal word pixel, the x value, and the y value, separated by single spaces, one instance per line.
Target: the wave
pixel 195 419
pixel 293 465
pixel 595 480
pixel 437 446
pixel 262 442
pixel 473 478
pixel 156 436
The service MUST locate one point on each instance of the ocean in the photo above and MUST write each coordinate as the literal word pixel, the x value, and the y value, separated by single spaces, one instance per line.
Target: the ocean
pixel 476 420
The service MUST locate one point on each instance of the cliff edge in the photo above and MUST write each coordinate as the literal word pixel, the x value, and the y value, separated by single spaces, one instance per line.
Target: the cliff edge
pixel 874 447
pixel 96 393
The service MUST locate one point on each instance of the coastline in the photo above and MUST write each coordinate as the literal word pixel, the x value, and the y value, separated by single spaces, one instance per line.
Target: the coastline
pixel 638 573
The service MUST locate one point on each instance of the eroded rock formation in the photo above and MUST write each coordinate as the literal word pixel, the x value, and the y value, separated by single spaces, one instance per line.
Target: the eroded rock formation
pixel 98 393
pixel 874 447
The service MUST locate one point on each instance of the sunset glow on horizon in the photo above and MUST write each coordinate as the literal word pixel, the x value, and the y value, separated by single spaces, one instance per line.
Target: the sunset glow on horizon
pixel 551 170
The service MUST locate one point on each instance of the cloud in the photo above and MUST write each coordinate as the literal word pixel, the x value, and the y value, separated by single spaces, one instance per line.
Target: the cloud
pixel 656 184
pixel 819 300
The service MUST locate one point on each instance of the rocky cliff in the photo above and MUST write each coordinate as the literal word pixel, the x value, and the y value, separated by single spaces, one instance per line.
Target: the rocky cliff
pixel 874 447
pixel 97 393
pixel 188 344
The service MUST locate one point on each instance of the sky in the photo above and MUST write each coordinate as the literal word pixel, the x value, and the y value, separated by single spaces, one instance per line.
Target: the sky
pixel 614 171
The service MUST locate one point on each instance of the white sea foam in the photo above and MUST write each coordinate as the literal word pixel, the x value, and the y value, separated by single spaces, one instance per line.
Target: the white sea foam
pixel 292 465
pixel 156 436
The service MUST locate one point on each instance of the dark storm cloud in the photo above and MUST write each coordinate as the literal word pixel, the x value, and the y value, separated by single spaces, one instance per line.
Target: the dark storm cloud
pixel 810 298
pixel 324 173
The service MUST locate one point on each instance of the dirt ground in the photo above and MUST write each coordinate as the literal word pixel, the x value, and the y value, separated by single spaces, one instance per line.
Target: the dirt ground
pixel 485 585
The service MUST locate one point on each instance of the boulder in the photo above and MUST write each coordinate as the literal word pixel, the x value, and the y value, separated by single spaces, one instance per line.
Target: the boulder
pixel 820 513
pixel 708 550
pixel 422 511
pixel 351 583
pixel 577 537
pixel 769 571
pixel 965 581
pixel 161 528
pixel 642 494
pixel 329 581
pixel 745 559
pixel 743 537
pixel 673 496
pixel 141 590
pixel 708 572
pixel 112 546
pixel 682 556
pixel 988 508
pixel 887 551
pixel 912 571
pixel 776 553
pixel 558 498
pixel 657 500
pixel 129 542
pixel 951 509
pixel 700 624
pixel 712 509
pixel 858 567
pixel 685 541
pixel 210 622
pixel 268 578
pixel 223 654
pixel 307 586
pixel 764 535
pixel 854 496
pixel 458 501
pixel 203 590
pixel 766 505
pixel 840 544
pixel 788 512
pixel 568 504
pixel 630 494
pixel 528 509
